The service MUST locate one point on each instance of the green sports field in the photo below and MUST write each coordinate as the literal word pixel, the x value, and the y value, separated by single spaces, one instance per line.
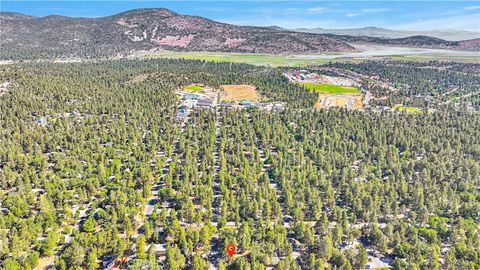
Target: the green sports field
pixel 324 88
pixel 193 87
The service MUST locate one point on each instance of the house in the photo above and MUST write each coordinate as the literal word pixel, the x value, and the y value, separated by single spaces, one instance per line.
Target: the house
pixel 179 117
pixel 3 209
pixel 108 261
pixel 265 106
pixel 278 107
pixel 38 190
pixel 41 121
pixel 115 262
pixel 160 249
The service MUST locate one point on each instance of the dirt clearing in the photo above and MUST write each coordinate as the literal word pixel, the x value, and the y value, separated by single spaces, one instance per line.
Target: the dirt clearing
pixel 350 101
pixel 138 79
pixel 237 92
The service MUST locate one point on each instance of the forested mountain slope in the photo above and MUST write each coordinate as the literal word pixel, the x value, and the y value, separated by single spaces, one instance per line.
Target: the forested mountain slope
pixel 142 29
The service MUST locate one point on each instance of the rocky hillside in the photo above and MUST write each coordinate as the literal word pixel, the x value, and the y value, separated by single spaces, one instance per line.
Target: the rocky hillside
pixel 27 37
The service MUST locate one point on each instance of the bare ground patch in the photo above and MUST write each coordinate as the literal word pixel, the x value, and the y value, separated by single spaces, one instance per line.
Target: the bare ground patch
pixel 237 92
pixel 45 262
pixel 174 41
pixel 350 101
pixel 138 78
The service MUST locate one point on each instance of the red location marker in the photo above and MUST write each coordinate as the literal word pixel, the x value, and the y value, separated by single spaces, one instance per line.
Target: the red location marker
pixel 231 249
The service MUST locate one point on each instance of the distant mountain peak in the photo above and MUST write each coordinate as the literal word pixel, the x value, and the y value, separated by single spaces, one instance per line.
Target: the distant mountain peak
pixel 54 17
pixel 372 31
pixel 6 15
pixel 374 28
pixel 162 12
pixel 276 27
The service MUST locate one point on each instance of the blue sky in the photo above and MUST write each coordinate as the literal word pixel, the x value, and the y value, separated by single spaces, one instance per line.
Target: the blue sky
pixel 409 15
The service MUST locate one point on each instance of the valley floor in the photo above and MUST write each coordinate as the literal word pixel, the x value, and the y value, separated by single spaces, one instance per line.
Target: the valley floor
pixel 365 52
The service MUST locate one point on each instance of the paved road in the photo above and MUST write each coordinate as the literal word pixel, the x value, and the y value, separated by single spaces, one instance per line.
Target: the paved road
pixel 215 253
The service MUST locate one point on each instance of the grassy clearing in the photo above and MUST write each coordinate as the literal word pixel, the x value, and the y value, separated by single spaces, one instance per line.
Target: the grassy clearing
pixel 407 109
pixel 239 92
pixel 298 60
pixel 325 88
pixel 248 58
pixel 193 87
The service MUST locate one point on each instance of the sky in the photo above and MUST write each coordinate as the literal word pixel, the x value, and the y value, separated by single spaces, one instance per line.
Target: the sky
pixel 402 15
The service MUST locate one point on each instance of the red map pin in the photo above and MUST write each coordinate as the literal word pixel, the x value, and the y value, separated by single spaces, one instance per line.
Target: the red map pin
pixel 230 249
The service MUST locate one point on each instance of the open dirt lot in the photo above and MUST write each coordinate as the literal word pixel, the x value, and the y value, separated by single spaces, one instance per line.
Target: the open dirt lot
pixel 351 101
pixel 237 92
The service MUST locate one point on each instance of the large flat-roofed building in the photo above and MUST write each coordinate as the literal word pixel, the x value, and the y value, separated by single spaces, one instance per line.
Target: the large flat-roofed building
pixel 205 103
pixel 190 96
pixel 225 104
pixel 246 102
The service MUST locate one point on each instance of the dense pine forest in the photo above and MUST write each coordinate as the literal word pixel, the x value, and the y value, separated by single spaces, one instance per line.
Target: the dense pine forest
pixel 86 148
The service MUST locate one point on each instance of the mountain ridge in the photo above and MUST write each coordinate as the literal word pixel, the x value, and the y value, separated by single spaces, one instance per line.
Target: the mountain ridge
pixel 372 31
pixel 143 29
pixel 412 41
pixel 53 36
